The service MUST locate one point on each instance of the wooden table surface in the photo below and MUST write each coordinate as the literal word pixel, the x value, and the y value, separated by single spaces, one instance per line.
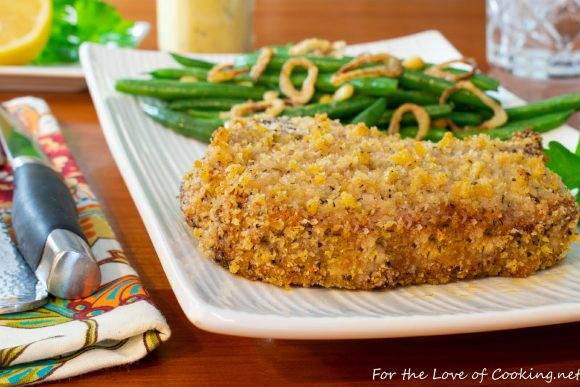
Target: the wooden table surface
pixel 193 356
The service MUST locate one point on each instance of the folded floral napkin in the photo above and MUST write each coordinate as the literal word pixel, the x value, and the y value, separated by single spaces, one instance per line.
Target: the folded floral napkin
pixel 116 325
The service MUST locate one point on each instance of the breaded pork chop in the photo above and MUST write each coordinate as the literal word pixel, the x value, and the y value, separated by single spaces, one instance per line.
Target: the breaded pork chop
pixel 307 201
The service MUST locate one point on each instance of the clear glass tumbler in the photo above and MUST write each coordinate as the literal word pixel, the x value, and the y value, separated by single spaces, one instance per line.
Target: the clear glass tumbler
pixel 534 38
pixel 205 25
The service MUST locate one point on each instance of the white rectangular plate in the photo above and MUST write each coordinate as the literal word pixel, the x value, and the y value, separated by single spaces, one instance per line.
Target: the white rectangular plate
pixel 42 78
pixel 153 159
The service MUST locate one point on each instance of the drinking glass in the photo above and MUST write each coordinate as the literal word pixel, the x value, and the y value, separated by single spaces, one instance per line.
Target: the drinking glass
pixel 534 38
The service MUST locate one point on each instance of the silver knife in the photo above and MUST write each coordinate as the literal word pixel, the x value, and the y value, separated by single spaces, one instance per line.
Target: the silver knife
pixel 20 290
pixel 45 218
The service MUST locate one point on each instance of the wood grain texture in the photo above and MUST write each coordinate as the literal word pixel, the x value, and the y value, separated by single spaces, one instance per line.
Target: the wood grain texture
pixel 195 357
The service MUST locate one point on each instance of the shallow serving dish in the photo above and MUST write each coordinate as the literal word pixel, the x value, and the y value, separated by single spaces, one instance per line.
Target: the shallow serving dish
pixel 153 159
pixel 59 78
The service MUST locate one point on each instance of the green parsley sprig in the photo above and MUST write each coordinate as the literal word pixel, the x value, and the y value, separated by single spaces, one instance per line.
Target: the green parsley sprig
pixel 566 164
pixel 78 21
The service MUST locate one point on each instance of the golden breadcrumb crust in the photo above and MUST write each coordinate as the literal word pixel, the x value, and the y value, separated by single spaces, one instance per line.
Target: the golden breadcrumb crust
pixel 307 201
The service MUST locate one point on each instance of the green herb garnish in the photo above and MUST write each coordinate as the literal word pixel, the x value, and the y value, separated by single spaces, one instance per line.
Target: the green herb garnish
pixel 566 164
pixel 78 21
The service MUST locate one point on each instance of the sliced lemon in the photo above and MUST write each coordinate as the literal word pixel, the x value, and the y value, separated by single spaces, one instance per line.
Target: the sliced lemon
pixel 24 29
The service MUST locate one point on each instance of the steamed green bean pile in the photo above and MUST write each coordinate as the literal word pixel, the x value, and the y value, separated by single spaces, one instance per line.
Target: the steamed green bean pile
pixel 193 102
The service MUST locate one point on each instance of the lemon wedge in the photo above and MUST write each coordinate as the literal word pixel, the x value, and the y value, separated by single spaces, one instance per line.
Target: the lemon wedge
pixel 24 29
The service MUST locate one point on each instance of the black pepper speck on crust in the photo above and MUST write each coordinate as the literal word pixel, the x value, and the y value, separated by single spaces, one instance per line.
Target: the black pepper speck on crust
pixel 307 202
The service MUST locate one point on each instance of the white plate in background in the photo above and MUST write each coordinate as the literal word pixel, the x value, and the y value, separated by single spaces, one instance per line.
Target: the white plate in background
pixel 58 78
pixel 152 160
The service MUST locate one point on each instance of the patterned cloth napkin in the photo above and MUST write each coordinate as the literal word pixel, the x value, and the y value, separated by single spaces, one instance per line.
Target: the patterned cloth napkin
pixel 116 325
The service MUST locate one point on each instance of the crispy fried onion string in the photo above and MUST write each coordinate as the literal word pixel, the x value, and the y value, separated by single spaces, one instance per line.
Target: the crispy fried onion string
pixel 222 72
pixel 338 48
pixel 307 90
pixel 261 64
pixel 420 114
pixel 499 115
pixel 317 47
pixel 387 66
pixel 269 108
pixel 440 70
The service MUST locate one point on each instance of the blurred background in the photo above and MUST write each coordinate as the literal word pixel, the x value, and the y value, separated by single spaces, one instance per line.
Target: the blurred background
pixel 280 21
pixel 532 46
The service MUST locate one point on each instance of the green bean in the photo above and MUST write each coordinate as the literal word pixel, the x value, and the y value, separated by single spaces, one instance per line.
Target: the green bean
pixel 377 87
pixel 205 103
pixel 337 109
pixel 177 73
pixel 325 64
pixel 434 134
pixel 372 114
pixel 398 97
pixel 560 103
pixel 203 114
pixel 168 89
pixel 199 73
pixel 367 86
pixel 539 124
pixel 417 80
pixel 484 82
pixel 465 118
pixel 434 111
pixel 200 129
pixel 192 62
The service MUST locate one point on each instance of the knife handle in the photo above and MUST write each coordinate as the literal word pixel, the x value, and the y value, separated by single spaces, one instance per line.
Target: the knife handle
pixel 48 233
